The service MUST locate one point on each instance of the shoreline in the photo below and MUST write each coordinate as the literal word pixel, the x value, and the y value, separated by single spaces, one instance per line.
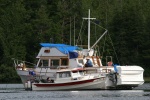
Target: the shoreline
pixel 146 79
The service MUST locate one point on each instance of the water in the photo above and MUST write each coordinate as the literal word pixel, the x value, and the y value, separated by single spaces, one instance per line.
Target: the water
pixel 16 92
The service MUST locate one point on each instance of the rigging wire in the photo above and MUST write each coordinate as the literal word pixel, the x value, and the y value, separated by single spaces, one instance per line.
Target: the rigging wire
pixel 97 47
pixel 79 37
pixel 96 37
pixel 105 44
pixel 98 25
pixel 98 50
pixel 95 32
pixel 114 49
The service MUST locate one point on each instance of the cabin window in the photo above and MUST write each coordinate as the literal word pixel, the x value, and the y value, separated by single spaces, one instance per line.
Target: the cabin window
pixel 75 73
pixel 54 63
pixel 64 61
pixel 80 61
pixel 81 72
pixel 64 75
pixel 91 71
pixel 43 63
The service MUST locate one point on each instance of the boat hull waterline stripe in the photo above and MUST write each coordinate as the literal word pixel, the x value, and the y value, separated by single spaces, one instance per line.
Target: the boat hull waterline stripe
pixel 65 84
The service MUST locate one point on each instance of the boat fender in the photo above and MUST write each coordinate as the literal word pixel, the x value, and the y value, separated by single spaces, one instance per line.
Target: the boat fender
pixel 28 85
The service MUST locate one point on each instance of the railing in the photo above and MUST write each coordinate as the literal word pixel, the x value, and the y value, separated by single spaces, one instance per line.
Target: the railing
pixel 22 65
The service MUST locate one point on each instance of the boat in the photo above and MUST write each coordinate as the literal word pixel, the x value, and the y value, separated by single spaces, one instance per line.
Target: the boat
pixel 54 59
pixel 71 79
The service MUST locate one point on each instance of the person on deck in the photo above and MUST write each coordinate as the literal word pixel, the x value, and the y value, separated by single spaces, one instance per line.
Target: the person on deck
pixel 88 63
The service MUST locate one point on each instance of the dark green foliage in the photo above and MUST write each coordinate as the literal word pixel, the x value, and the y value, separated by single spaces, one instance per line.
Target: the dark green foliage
pixel 26 23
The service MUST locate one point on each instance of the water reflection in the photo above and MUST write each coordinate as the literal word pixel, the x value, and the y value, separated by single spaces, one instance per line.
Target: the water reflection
pixel 128 91
pixel 16 92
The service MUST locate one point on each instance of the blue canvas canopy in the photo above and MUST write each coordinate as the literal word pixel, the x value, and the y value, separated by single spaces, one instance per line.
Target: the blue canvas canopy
pixel 61 47
pixel 73 55
pixel 51 45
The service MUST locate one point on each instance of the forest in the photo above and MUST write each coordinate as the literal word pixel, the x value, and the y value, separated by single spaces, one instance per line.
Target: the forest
pixel 24 24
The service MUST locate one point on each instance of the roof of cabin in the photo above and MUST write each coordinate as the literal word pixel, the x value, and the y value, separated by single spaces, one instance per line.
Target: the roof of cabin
pixel 61 47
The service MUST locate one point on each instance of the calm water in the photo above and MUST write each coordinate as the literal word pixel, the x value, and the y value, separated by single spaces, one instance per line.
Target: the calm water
pixel 16 92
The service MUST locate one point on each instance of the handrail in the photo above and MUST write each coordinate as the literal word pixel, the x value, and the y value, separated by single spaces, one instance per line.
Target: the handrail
pixel 23 61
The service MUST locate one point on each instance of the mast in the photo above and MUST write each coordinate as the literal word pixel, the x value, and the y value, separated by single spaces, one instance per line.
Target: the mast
pixel 74 30
pixel 70 30
pixel 89 29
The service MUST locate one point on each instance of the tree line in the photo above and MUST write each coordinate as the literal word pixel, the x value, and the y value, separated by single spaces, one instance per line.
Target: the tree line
pixel 26 23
